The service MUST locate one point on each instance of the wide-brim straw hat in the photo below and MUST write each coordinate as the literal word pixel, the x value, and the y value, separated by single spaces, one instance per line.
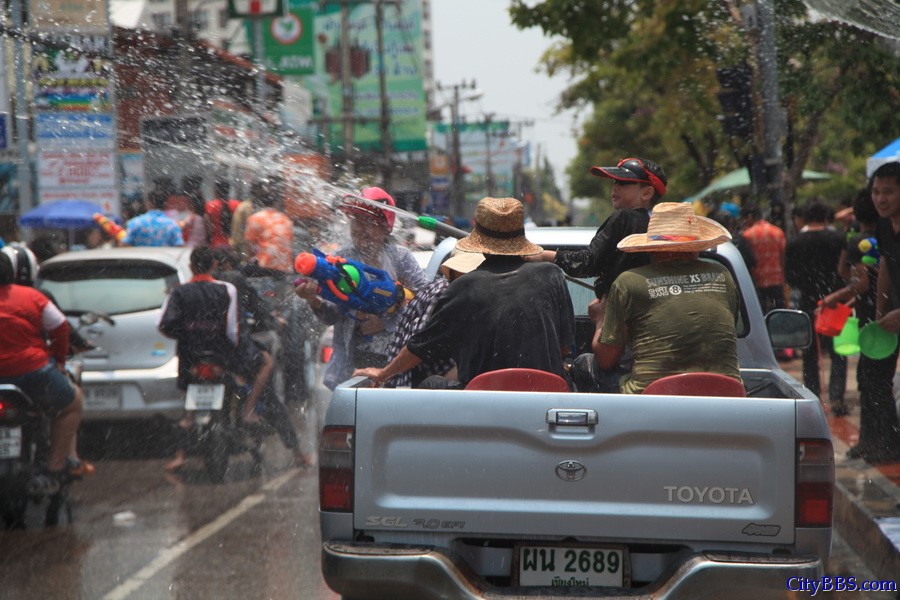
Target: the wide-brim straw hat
pixel 674 227
pixel 499 229
pixel 461 262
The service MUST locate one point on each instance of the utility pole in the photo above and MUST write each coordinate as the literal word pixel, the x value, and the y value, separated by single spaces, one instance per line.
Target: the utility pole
pixel 774 123
pixel 488 171
pixel 459 184
pixel 346 82
pixel 182 35
pixel 516 130
pixel 348 118
pixel 23 169
pixel 386 149
pixel 538 209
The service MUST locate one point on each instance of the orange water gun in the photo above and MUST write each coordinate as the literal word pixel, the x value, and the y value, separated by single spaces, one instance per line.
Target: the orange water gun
pixel 110 227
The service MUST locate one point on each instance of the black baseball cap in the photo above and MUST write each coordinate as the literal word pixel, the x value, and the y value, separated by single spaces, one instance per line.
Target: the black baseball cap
pixel 636 170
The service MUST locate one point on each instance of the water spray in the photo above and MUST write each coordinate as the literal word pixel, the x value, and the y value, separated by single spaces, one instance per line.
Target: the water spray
pixel 432 224
pixel 423 221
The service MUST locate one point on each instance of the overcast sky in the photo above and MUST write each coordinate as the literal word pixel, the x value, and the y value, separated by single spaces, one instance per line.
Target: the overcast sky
pixel 475 39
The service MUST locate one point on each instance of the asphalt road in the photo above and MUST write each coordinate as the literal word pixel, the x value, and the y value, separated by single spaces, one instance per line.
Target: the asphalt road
pixel 142 533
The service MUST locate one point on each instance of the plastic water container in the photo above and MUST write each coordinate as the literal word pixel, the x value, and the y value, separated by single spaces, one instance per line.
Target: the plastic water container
pixel 830 321
pixel 846 343
pixel 876 342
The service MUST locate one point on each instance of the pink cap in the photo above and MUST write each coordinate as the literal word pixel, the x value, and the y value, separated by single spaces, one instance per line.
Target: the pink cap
pixel 376 194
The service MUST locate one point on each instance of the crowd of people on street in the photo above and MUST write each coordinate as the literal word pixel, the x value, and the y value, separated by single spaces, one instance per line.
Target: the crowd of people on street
pixel 823 265
pixel 501 301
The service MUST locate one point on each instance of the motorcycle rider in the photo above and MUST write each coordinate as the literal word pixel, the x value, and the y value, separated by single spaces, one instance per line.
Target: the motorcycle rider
pixel 202 315
pixel 27 320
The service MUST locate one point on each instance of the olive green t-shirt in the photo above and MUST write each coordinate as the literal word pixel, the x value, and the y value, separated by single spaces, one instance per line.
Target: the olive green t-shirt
pixel 679 316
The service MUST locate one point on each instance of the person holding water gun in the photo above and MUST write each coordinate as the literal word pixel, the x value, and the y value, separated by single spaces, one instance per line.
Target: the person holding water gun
pixel 879 428
pixel 361 338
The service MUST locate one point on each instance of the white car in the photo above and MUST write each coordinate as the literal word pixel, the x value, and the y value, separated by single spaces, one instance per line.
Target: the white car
pixel 132 373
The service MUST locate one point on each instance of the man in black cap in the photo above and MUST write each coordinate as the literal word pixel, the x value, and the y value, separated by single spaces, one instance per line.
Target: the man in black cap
pixel 638 183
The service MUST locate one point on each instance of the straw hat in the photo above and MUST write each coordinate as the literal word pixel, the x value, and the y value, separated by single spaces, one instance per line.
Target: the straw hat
pixel 499 229
pixel 461 262
pixel 674 227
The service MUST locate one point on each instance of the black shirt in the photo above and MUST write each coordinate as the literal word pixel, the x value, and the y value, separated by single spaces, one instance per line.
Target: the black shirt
pixel 889 247
pixel 865 302
pixel 601 259
pixel 506 313
pixel 811 265
pixel 202 317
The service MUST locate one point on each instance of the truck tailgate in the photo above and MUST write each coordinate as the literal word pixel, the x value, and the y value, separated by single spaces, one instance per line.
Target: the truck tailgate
pixel 490 463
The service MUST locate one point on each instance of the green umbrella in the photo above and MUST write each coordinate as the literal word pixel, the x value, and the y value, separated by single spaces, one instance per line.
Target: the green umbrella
pixel 739 181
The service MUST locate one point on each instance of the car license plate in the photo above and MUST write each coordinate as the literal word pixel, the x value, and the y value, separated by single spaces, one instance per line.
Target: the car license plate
pixel 104 397
pixel 10 442
pixel 573 566
pixel 204 396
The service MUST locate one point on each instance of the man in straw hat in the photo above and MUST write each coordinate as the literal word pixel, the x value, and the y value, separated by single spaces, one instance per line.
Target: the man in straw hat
pixel 506 313
pixel 679 312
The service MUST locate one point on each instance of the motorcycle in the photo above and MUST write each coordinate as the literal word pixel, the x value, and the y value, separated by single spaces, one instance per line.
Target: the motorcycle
pixel 25 446
pixel 214 398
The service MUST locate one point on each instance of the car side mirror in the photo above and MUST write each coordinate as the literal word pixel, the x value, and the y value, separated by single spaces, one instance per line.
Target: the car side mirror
pixel 789 329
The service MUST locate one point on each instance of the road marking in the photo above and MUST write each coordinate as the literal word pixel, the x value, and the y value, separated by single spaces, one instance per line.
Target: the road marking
pixel 167 555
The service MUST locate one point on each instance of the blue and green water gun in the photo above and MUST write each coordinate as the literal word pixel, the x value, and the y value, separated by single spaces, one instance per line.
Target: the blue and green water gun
pixel 351 284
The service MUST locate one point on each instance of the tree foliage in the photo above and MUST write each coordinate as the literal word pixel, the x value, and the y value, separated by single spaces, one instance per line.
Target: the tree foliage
pixel 645 71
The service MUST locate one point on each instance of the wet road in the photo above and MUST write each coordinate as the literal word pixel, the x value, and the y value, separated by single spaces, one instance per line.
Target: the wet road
pixel 140 533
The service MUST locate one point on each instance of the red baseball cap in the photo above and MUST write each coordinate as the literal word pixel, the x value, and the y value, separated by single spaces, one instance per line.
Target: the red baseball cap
pixel 635 170
pixel 351 203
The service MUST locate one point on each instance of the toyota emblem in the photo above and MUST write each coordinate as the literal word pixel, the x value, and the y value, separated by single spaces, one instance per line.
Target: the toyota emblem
pixel 571 470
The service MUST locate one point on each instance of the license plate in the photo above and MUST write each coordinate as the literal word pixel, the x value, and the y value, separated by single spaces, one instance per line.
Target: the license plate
pixel 10 442
pixel 204 396
pixel 572 566
pixel 105 397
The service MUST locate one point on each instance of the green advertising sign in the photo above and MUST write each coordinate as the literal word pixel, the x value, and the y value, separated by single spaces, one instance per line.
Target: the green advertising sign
pixel 403 59
pixel 289 41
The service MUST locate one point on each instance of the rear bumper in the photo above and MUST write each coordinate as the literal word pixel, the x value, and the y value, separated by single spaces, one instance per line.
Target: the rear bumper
pixel 373 572
pixel 144 392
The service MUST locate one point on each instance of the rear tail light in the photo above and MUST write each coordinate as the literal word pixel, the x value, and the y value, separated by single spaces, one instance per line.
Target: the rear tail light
pixel 208 371
pixel 336 469
pixel 326 354
pixel 8 410
pixel 814 494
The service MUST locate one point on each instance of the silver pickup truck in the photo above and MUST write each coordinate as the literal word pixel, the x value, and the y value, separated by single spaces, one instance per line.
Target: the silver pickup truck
pixel 449 494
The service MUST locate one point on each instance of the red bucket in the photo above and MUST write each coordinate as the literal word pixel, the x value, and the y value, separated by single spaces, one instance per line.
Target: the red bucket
pixel 831 321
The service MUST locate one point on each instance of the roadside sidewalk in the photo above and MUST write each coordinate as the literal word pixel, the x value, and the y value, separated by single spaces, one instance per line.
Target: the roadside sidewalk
pixel 867 498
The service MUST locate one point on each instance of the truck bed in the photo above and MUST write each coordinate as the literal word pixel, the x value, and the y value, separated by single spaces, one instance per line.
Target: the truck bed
pixel 517 466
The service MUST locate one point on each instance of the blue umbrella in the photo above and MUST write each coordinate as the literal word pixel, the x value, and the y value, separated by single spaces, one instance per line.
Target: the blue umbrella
pixel 62 214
